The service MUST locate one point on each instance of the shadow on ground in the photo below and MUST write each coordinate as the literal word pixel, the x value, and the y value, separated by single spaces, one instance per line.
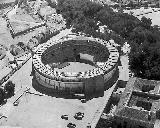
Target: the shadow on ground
pixel 67 95
pixel 54 93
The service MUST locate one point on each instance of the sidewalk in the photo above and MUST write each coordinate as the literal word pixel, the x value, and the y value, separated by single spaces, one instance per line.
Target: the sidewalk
pixel 124 69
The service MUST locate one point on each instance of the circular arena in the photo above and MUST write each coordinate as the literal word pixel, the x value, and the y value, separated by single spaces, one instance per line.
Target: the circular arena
pixel 76 65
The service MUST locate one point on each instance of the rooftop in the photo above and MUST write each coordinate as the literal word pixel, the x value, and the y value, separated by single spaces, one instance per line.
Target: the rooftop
pixel 140 100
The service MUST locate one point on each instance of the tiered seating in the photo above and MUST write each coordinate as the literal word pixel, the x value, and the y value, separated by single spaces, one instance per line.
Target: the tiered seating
pixel 89 48
pixel 63 65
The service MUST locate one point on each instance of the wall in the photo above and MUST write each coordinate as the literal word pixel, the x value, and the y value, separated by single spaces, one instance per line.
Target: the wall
pixel 91 87
pixel 94 87
pixel 108 75
pixel 76 87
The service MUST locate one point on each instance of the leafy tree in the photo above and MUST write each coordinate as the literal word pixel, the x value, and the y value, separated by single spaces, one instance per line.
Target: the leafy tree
pixel 138 35
pixel 124 24
pixel 146 22
pixel 1 96
pixel 105 17
pixel 117 38
pixel 22 45
pixel 131 4
pixel 145 61
pixel 79 14
pixel 9 89
pixel 15 50
pixel 51 3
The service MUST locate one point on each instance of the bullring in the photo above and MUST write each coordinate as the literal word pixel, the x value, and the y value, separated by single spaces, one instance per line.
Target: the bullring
pixel 98 53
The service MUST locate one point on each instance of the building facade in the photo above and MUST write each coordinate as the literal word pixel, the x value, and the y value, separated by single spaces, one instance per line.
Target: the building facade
pixel 139 105
pixel 90 83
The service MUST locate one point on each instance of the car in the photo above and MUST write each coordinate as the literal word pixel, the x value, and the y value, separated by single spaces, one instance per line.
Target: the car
pixel 79 116
pixel 83 100
pixel 89 126
pixel 16 103
pixel 64 117
pixel 71 125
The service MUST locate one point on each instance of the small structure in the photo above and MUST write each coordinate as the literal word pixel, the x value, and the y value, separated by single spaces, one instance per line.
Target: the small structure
pixel 139 104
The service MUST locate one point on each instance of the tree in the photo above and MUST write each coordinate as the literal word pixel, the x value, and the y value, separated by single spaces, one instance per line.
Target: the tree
pixel 117 38
pixel 146 22
pixel 124 24
pixel 105 17
pixel 145 61
pixel 51 3
pixel 131 4
pixel 22 45
pixel 9 89
pixel 158 114
pixel 79 13
pixel 1 96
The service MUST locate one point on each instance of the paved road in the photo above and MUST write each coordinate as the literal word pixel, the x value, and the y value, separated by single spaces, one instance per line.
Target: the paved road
pixel 124 69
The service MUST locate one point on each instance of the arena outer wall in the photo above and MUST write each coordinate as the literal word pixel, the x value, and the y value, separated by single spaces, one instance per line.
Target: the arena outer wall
pixel 90 83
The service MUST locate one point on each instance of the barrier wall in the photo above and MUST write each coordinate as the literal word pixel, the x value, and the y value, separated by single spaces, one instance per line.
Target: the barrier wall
pixel 77 87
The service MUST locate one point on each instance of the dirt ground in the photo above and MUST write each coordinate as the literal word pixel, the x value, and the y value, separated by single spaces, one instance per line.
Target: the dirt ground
pixel 5 36
pixel 76 67
pixel 36 111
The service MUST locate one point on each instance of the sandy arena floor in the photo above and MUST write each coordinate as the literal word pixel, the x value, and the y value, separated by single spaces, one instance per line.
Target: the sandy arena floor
pixel 76 67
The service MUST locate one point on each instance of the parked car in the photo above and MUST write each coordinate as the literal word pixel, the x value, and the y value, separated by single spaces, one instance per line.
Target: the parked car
pixel 70 125
pixel 64 117
pixel 83 100
pixel 79 116
pixel 16 103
